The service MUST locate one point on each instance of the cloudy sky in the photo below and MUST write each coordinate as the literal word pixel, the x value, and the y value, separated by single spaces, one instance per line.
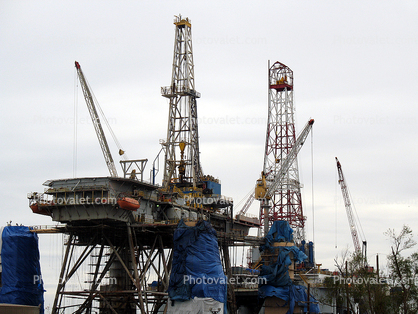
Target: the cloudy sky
pixel 355 70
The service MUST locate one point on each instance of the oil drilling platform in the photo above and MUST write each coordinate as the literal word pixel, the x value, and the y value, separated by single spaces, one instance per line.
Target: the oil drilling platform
pixel 119 229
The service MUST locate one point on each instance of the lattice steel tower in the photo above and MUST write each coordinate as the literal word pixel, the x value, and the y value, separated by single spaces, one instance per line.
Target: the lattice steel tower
pixel 286 203
pixel 182 162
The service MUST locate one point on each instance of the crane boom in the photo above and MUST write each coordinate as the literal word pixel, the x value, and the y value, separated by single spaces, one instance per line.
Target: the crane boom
pixel 287 162
pixel 96 122
pixel 348 208
pixel 247 204
pixel 264 190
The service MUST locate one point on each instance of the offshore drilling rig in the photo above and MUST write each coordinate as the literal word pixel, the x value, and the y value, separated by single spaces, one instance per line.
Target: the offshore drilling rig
pixel 119 230
pixel 122 227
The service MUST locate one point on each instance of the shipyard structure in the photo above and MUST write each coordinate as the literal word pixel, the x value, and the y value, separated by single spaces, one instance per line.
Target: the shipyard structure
pixel 167 248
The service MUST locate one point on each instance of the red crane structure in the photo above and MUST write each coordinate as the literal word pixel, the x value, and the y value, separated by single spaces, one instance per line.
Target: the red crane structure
pixel 285 201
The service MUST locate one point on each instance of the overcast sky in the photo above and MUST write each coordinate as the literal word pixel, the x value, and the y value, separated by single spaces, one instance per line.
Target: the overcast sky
pixel 355 72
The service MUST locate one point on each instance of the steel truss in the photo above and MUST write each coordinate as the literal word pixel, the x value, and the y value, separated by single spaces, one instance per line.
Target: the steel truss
pixel 286 202
pixel 123 262
pixel 126 269
pixel 182 166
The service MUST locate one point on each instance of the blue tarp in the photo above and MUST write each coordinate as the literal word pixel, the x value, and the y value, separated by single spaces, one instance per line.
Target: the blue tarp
pixel 280 231
pixel 292 294
pixel 21 271
pixel 197 270
pixel 277 281
pixel 277 273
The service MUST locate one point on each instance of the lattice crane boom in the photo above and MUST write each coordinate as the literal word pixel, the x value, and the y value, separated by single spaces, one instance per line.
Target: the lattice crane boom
pixel 287 162
pixel 247 204
pixel 96 122
pixel 263 189
pixel 347 203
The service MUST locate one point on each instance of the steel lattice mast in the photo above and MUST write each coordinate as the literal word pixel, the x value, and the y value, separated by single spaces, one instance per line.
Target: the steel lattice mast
pixel 182 162
pixel 286 202
pixel 96 122
pixel 347 203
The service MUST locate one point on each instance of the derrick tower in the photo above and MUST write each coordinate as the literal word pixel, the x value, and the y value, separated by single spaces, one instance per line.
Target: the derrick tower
pixel 286 202
pixel 182 162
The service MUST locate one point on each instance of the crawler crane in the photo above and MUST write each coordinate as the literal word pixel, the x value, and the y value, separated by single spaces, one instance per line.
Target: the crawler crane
pixel 350 216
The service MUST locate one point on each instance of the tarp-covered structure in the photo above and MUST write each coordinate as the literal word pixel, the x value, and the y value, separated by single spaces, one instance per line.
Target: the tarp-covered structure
pixel 275 279
pixel 20 268
pixel 277 274
pixel 197 270
pixel 280 231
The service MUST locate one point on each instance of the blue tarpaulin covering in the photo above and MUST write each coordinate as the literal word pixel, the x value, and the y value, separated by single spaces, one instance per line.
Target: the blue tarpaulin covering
pixel 21 271
pixel 277 273
pixel 280 231
pixel 277 281
pixel 197 270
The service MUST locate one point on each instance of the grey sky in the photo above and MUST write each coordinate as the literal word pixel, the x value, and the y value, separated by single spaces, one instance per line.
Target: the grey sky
pixel 355 73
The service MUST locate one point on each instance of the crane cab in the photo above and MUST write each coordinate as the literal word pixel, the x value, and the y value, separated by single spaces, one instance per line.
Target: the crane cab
pixel 261 188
